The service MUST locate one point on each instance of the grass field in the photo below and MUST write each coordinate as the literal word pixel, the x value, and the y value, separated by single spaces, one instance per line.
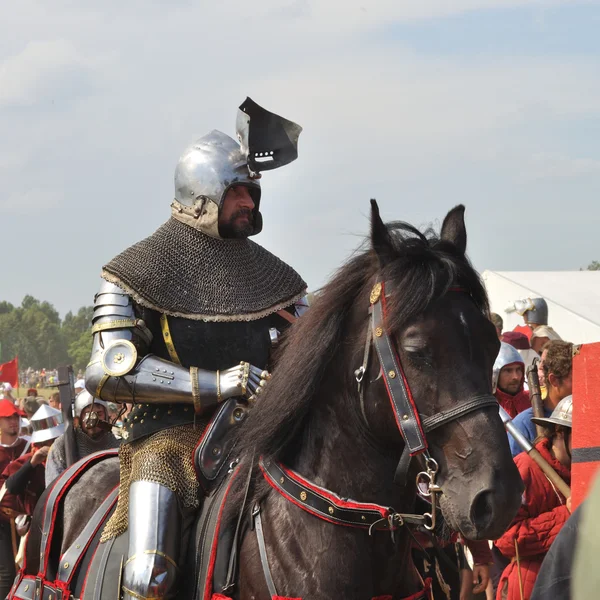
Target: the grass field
pixel 43 392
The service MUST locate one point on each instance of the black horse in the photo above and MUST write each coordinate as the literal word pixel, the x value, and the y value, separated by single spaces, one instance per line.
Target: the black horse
pixel 314 420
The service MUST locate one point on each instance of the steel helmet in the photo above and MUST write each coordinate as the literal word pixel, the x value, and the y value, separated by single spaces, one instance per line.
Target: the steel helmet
pixel 561 415
pixel 85 399
pixel 508 355
pixel 47 424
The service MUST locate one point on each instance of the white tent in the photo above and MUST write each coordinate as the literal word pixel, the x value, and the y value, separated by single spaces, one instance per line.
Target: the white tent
pixel 573 299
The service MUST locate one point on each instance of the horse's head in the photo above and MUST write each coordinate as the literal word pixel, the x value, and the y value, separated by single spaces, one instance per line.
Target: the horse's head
pixel 435 315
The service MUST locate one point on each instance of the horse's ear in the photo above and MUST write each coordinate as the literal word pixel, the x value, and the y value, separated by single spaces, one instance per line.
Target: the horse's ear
pixel 454 230
pixel 380 236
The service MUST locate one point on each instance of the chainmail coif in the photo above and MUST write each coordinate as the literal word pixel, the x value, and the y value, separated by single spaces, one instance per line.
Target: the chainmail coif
pixel 183 272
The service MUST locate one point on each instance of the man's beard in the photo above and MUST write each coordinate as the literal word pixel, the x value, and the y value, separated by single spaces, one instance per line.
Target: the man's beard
pixel 233 229
pixel 510 392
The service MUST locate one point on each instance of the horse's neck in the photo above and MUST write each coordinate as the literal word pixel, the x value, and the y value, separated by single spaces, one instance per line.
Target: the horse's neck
pixel 335 452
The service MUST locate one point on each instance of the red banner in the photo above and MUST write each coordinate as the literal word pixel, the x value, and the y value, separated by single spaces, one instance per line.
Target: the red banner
pixel 9 372
pixel 585 462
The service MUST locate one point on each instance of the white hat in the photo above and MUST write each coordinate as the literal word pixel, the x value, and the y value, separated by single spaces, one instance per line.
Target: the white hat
pixel 47 424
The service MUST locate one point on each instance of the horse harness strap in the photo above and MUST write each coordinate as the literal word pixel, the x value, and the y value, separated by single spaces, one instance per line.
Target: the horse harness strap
pixel 326 505
pixel 330 507
pixel 405 411
pixel 59 489
pixel 474 403
pixel 262 550
pixel 69 561
pixel 411 426
pixel 30 587
pixel 71 558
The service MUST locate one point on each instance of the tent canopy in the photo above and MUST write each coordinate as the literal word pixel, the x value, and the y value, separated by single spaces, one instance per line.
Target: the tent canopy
pixel 573 299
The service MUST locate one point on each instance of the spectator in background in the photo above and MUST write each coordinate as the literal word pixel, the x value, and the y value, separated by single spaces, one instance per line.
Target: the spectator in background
pixel 79 386
pixel 30 406
pixel 534 312
pixel 54 400
pixel 541 375
pixel 11 445
pixel 31 393
pixel 11 448
pixel 91 433
pixel 496 319
pixel 543 511
pixel 7 390
pixel 24 477
pixel 508 380
pixel 520 342
pixel 541 336
pixel 557 368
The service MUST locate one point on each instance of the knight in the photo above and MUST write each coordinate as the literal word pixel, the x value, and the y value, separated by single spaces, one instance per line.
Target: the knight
pixel 183 327
pixel 92 433
pixel 534 312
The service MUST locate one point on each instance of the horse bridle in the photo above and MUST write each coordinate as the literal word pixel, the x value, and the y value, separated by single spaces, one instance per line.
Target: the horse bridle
pixel 412 428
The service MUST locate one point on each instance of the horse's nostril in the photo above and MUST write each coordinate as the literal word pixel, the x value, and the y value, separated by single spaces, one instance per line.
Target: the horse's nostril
pixel 482 511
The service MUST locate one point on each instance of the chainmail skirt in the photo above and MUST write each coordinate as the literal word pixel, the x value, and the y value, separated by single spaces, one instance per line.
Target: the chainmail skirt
pixel 165 457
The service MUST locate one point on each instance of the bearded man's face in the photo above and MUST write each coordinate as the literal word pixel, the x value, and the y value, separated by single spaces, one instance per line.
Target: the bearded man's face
pixel 236 217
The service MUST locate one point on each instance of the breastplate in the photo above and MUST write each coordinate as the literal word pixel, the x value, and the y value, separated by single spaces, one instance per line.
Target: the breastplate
pixel 213 345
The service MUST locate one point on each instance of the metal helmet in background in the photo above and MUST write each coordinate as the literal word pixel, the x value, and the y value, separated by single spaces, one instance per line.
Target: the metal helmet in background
pixel 209 167
pixel 508 355
pixel 533 310
pixel 561 415
pixel 85 399
pixel 47 424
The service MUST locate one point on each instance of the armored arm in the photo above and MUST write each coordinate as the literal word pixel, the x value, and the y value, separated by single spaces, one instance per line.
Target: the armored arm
pixel 122 369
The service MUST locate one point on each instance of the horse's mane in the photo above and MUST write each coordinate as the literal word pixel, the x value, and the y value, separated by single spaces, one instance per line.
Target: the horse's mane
pixel 421 269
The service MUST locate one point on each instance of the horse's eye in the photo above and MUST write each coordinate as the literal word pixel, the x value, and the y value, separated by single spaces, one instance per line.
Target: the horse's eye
pixel 420 358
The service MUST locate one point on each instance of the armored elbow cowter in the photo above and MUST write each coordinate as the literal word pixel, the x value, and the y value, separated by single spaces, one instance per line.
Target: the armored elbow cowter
pixel 122 369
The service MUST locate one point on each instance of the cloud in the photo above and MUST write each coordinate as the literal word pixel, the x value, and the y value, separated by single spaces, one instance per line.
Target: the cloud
pixel 95 118
pixel 30 202
pixel 41 71
pixel 547 165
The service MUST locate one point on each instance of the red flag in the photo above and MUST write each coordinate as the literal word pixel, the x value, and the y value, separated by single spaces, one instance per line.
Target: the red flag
pixel 9 372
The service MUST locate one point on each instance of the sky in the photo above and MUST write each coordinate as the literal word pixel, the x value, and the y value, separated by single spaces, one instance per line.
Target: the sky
pixel 421 104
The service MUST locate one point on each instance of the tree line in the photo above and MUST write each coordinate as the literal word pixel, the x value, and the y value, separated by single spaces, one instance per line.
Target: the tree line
pixel 36 334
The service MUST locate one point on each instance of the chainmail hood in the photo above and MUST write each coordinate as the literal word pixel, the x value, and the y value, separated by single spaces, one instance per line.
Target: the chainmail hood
pixel 182 272
pixel 84 445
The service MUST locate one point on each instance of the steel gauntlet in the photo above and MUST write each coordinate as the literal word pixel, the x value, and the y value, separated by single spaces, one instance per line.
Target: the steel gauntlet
pixel 119 377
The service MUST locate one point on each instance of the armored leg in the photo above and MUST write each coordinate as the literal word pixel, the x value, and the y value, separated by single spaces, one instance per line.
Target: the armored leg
pixel 155 528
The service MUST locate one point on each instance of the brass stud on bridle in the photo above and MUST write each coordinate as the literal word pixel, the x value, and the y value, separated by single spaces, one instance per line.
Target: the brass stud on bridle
pixel 375 293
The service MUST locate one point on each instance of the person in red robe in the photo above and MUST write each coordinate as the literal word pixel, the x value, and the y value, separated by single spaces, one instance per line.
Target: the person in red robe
pixel 508 380
pixel 11 447
pixel 23 479
pixel 544 509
